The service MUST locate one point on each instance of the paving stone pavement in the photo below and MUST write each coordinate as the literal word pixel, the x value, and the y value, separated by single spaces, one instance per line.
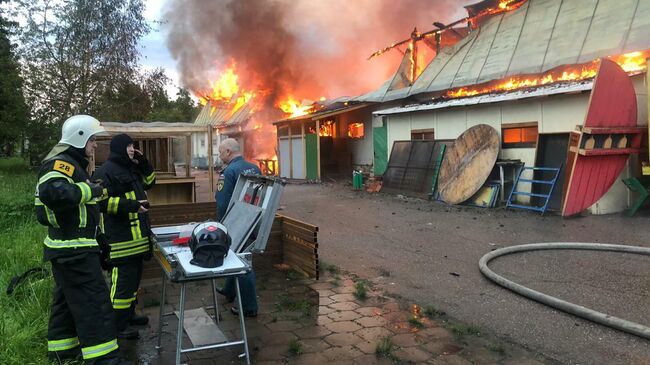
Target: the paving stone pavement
pixel 304 321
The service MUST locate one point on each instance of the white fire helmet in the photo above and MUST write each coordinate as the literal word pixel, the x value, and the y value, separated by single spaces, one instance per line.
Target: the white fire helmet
pixel 78 129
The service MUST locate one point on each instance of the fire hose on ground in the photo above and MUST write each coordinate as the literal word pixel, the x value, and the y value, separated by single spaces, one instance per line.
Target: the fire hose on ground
pixel 580 311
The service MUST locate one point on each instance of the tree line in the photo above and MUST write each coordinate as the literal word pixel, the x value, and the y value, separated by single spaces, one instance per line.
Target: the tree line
pixel 65 57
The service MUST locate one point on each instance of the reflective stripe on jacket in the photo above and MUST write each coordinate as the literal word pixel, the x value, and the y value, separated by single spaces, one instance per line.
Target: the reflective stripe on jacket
pixel 64 203
pixel 126 231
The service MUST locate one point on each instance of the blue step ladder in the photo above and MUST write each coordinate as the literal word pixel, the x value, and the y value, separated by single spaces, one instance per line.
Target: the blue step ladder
pixel 544 197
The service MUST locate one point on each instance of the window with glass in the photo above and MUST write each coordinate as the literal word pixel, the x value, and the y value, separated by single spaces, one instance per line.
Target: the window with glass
pixel 519 135
pixel 422 135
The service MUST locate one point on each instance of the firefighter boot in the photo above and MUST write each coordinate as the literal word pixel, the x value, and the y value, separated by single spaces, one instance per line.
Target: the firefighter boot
pixel 138 320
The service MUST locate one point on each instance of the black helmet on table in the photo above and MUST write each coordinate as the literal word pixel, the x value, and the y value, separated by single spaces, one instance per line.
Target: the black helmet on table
pixel 209 243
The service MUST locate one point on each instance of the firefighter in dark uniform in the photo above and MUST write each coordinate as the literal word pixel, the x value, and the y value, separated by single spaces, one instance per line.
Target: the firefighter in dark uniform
pixel 230 154
pixel 126 227
pixel 81 318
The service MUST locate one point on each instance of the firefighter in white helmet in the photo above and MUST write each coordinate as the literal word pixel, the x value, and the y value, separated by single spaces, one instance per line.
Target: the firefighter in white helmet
pixel 81 320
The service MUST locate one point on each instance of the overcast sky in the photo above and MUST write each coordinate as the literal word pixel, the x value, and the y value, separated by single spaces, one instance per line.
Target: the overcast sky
pixel 153 47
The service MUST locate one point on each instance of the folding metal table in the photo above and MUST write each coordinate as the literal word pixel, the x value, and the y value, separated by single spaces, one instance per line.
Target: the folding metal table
pixel 175 262
pixel 248 218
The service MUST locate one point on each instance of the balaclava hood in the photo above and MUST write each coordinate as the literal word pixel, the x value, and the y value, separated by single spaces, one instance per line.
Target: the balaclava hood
pixel 118 149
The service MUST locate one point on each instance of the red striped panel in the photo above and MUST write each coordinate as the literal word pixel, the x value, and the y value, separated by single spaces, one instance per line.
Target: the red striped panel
pixel 612 104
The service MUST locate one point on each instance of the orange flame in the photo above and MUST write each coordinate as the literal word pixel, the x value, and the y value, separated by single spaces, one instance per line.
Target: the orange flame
pixel 226 89
pixel 294 108
pixel 630 62
pixel 355 130
pixel 504 6
pixel 326 129
pixel 633 61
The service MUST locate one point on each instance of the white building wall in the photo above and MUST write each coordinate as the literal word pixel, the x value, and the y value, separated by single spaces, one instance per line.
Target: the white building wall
pixel 398 129
pixel 423 121
pixel 563 113
pixel 553 114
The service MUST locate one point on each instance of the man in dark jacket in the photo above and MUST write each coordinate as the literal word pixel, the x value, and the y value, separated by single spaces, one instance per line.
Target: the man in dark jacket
pixel 81 319
pixel 126 227
pixel 230 154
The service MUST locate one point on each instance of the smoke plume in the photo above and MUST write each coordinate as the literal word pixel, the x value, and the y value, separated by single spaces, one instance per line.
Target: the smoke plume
pixel 309 48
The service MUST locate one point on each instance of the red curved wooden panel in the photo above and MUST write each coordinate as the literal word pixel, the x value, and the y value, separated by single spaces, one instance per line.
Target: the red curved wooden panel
pixel 612 104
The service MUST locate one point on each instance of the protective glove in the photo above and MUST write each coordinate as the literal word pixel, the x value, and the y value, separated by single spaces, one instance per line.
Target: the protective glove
pixel 139 158
pixel 97 190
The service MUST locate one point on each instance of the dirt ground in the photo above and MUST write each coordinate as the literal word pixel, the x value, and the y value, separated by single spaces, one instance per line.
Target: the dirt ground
pixel 428 252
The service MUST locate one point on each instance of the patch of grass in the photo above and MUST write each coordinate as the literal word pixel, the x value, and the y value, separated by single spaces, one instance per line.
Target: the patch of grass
pixel 330 268
pixel 415 322
pixel 13 164
pixel 385 348
pixel 360 290
pixel 16 194
pixel 462 330
pixel 295 347
pixel 286 303
pixel 495 347
pixel 24 315
pixel 294 275
pixel 336 282
pixel 432 312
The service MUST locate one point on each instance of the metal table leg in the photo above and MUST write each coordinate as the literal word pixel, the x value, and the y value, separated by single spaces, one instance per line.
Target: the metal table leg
pixel 216 303
pixel 162 310
pixel 242 324
pixel 181 315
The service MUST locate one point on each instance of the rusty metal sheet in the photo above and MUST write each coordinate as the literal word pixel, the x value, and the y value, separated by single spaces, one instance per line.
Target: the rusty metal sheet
pixel 468 163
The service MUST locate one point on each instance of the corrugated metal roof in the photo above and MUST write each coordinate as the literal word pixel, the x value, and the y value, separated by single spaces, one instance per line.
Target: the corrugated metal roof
pixel 240 116
pixel 493 98
pixel 328 112
pixel 537 37
pixel 212 114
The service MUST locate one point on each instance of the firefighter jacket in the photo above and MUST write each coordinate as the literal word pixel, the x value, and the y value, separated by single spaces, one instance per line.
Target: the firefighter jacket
pixel 126 231
pixel 64 203
pixel 228 180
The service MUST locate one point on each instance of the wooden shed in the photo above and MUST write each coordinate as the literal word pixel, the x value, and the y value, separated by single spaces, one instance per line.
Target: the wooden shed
pixel 168 146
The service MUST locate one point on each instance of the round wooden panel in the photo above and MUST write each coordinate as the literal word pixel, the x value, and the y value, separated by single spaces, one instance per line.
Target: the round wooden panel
pixel 468 163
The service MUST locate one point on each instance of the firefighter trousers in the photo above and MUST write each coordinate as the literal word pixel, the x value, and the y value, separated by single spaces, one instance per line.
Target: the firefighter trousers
pixel 81 318
pixel 246 288
pixel 125 281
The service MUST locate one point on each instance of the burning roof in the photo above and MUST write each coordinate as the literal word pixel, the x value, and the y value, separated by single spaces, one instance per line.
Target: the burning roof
pixel 534 38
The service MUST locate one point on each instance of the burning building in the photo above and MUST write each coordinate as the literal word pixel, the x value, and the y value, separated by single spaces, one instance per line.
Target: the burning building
pixel 526 68
pixel 338 138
